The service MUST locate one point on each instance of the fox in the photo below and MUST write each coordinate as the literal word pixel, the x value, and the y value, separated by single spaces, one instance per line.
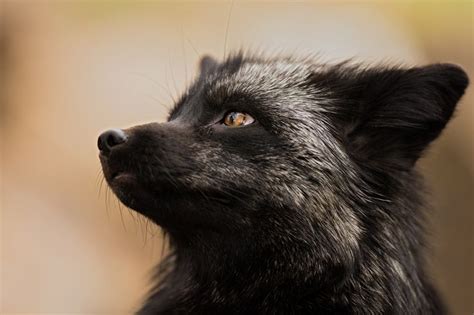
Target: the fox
pixel 288 185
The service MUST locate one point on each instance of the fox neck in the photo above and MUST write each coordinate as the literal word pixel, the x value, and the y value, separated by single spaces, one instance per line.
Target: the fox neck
pixel 264 270
pixel 267 282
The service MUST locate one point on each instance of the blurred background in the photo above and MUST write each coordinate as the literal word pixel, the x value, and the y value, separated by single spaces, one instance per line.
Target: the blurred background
pixel 69 70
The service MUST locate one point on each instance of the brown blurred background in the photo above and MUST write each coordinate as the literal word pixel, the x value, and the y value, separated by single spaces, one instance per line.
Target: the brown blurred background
pixel 69 70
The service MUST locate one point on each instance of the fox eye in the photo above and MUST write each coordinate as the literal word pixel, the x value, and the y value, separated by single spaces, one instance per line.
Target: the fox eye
pixel 237 119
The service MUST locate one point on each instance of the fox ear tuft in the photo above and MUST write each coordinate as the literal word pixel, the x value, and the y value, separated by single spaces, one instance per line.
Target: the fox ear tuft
pixel 398 112
pixel 207 64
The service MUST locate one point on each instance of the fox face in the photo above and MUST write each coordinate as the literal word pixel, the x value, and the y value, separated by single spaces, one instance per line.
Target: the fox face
pixel 307 164
pixel 227 138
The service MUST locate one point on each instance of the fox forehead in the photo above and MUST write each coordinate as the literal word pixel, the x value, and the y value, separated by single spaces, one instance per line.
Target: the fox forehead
pixel 264 80
pixel 260 77
pixel 277 84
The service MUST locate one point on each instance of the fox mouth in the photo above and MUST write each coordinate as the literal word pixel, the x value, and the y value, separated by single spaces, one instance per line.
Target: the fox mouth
pixel 131 190
pixel 121 177
pixel 121 181
pixel 110 173
pixel 127 187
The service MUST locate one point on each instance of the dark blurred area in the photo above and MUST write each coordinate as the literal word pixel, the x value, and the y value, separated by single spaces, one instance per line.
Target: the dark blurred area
pixel 69 70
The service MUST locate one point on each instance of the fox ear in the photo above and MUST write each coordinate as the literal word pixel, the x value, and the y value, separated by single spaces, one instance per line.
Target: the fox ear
pixel 207 64
pixel 398 112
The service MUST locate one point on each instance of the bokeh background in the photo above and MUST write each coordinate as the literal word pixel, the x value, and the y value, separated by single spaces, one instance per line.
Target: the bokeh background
pixel 69 70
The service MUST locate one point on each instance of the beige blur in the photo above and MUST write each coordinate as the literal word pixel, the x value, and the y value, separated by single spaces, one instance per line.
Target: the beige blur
pixel 69 70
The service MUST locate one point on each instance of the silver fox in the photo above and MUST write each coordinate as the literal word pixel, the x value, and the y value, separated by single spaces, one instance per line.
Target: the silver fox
pixel 288 186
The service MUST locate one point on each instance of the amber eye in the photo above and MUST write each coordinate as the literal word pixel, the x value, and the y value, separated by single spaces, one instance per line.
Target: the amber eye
pixel 236 119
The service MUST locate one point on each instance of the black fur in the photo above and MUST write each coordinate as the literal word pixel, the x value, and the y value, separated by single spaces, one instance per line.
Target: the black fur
pixel 314 208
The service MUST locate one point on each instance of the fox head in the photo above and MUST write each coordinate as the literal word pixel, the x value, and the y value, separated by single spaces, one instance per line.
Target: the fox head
pixel 262 156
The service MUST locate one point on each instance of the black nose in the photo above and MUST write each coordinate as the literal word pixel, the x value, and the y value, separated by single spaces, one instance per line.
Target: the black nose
pixel 109 139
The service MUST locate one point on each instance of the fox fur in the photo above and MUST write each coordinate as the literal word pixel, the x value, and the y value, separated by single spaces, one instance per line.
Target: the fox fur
pixel 316 207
